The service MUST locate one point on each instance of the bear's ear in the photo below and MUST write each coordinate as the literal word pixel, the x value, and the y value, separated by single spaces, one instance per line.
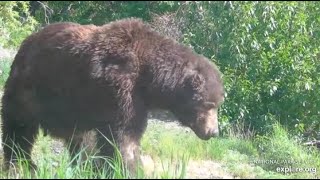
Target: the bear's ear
pixel 197 81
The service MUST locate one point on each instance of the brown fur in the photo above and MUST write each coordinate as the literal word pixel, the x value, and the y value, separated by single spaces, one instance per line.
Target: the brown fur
pixel 70 79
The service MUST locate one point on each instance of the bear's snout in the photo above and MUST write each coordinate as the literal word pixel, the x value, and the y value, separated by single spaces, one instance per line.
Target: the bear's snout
pixel 212 132
pixel 207 126
pixel 211 123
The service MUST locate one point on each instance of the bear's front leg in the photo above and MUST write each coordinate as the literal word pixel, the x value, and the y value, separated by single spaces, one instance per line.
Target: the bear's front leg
pixel 127 135
pixel 129 147
pixel 127 142
pixel 130 133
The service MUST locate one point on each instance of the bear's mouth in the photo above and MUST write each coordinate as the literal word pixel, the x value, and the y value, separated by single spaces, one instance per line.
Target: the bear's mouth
pixel 200 132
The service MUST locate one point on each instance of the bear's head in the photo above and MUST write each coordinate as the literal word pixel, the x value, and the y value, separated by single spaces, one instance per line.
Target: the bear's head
pixel 199 99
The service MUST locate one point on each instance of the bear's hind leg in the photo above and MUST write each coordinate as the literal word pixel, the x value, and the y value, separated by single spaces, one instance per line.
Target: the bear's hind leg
pixel 18 140
pixel 19 130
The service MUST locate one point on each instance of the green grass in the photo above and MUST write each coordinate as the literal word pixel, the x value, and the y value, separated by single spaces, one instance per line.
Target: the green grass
pixel 172 150
pixel 51 165
pixel 287 153
pixel 245 157
pixel 5 65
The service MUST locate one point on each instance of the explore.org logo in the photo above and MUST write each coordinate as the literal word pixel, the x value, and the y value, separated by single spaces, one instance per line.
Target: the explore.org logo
pixel 290 169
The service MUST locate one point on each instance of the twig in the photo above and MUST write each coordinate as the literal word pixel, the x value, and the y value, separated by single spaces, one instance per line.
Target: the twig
pixel 46 9
pixel 313 143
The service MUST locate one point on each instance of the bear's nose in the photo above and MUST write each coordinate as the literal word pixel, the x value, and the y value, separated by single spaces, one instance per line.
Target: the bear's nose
pixel 213 133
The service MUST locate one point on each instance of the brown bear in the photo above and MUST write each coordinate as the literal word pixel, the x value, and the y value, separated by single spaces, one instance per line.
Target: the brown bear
pixel 70 79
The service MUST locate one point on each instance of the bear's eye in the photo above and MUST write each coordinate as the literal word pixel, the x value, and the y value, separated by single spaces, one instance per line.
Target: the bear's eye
pixel 209 105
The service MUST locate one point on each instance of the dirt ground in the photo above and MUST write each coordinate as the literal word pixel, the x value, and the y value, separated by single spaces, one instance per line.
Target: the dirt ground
pixel 195 169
